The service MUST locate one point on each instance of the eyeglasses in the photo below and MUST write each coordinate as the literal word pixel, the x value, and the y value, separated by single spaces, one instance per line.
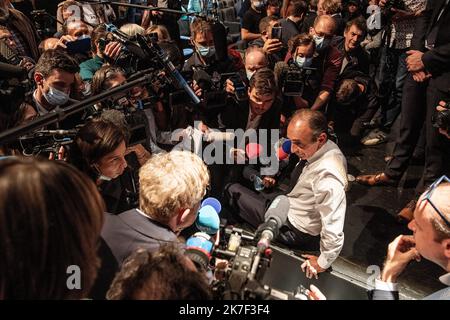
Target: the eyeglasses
pixel 429 192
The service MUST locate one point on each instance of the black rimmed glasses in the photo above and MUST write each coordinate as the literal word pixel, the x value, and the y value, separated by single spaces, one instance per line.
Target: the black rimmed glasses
pixel 429 192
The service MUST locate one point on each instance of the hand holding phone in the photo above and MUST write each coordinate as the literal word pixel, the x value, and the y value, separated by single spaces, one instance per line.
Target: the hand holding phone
pixel 276 32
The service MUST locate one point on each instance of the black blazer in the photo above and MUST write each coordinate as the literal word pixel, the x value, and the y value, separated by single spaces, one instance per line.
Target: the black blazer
pixel 235 115
pixel 437 60
pixel 130 230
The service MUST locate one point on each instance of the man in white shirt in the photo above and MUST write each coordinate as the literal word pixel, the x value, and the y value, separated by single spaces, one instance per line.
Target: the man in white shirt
pixel 316 193
pixel 317 201
pixel 431 240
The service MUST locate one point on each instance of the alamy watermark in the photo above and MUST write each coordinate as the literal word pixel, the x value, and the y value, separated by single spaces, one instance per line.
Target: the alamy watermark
pixel 232 146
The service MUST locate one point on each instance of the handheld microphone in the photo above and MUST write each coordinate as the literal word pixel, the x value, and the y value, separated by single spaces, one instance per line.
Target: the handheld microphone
pixel 283 148
pixel 59 132
pixel 208 220
pixel 198 249
pixel 253 150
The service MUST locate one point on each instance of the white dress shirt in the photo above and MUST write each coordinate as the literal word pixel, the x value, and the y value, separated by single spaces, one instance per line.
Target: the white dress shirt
pixel 318 202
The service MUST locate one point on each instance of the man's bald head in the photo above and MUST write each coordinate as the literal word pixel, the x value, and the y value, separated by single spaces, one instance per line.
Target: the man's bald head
pixel 255 59
pixel 325 25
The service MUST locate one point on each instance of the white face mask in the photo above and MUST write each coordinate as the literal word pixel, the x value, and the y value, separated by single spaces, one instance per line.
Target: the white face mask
pixel 104 178
pixel 303 62
pixel 249 74
pixel 100 175
pixel 56 97
pixel 319 41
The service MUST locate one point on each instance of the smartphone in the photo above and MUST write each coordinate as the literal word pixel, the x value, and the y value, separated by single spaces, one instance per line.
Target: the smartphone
pixel 276 33
pixel 79 46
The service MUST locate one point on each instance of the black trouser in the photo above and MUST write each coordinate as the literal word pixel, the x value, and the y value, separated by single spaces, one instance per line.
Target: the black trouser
pixel 418 106
pixel 252 207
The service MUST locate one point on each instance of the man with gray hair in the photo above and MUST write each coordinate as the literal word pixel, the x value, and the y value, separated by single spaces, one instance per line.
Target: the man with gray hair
pixel 316 193
pixel 171 188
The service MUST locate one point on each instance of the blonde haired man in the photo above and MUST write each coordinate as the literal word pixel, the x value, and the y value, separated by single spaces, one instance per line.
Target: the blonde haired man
pixel 169 200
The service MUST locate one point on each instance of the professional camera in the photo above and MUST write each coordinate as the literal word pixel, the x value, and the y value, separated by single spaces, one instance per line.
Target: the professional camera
pixel 44 23
pixel 441 119
pixel 294 79
pixel 394 4
pixel 44 142
pixel 240 258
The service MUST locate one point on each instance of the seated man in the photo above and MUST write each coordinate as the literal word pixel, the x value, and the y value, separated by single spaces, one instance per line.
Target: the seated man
pixel 352 108
pixel 431 240
pixel 171 188
pixel 316 193
pixel 260 112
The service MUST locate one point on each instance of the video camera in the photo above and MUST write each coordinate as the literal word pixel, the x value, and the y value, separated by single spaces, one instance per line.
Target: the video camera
pixel 293 79
pixel 44 23
pixel 242 258
pixel 46 141
pixel 441 119
pixel 214 95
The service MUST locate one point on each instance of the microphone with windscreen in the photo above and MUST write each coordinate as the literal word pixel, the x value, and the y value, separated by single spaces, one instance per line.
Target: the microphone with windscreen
pixel 283 148
pixel 275 217
pixel 208 220
pixel 253 150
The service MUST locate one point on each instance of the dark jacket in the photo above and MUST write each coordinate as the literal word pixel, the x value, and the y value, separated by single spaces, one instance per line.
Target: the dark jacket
pixel 130 230
pixel 27 31
pixel 357 61
pixel 437 60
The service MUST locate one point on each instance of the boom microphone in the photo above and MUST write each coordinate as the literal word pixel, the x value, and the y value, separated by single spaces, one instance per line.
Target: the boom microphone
pixel 275 217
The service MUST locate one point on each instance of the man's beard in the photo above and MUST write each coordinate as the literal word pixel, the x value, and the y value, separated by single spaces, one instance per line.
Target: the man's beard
pixel 4 15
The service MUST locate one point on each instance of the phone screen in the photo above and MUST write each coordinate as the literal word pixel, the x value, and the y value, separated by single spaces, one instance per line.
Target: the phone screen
pixel 276 33
pixel 79 46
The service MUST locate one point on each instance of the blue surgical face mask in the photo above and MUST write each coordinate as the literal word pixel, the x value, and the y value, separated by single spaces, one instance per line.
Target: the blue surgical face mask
pixel 303 62
pixel 56 97
pixel 206 52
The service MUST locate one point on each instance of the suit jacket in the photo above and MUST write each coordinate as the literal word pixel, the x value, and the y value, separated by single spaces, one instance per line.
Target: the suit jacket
pixel 235 115
pixel 443 294
pixel 358 60
pixel 27 31
pixel 130 230
pixel 437 60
